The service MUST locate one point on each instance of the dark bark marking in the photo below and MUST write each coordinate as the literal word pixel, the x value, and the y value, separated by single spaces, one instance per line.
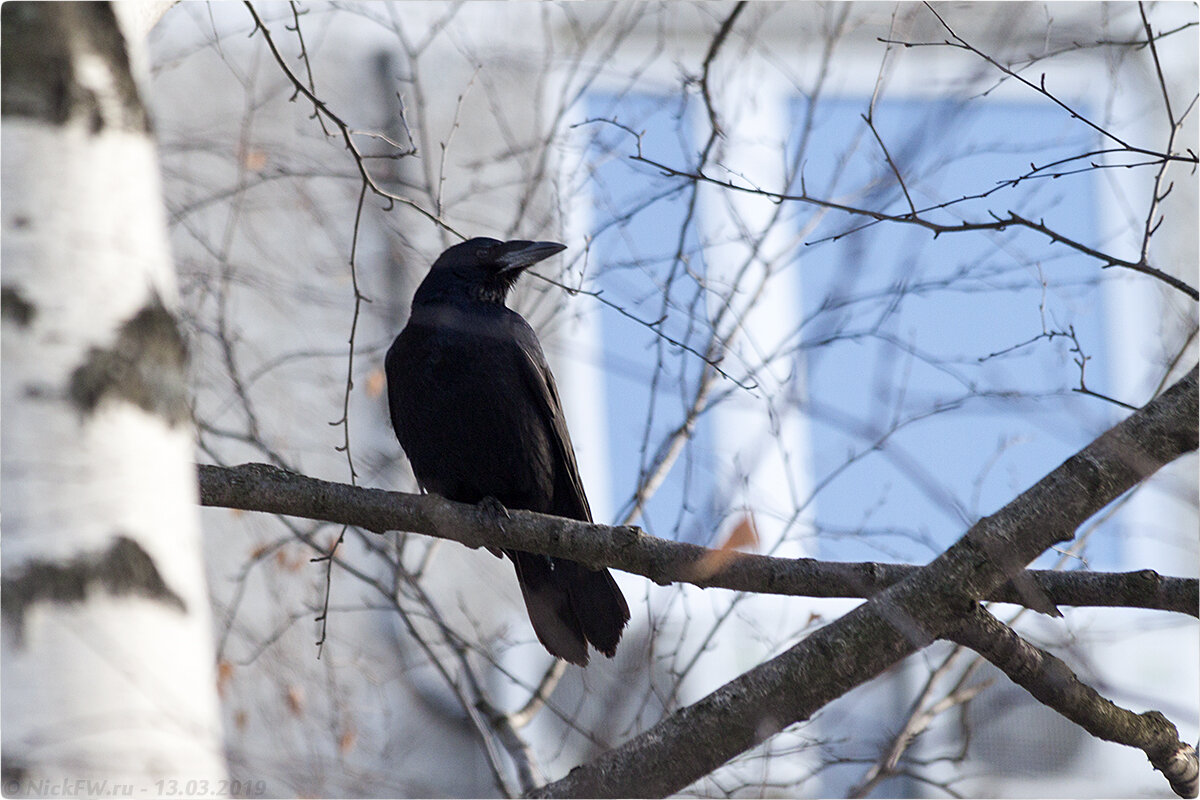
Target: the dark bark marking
pixel 39 45
pixel 145 366
pixel 15 308
pixel 124 568
pixel 35 63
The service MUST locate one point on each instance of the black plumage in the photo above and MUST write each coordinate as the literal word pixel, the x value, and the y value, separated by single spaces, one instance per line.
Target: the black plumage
pixel 476 410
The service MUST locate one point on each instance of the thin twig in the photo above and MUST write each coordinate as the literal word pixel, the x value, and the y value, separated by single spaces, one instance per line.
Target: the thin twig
pixel 537 698
pixel 1040 88
pixel 997 223
pixel 1162 81
pixel 346 131
pixel 655 326
pixel 344 422
pixel 870 120
pixel 307 63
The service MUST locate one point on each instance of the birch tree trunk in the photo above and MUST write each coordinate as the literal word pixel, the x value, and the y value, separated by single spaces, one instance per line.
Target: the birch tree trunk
pixel 108 675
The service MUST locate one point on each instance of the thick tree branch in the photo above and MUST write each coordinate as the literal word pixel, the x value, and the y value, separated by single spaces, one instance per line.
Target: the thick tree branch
pixel 1053 683
pixel 896 622
pixel 260 487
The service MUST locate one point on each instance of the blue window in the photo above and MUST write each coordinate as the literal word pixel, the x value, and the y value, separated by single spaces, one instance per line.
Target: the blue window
pixel 650 294
pixel 899 324
pixel 927 403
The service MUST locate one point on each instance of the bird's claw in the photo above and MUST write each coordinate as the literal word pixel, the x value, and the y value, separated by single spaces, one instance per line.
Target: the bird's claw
pixel 493 509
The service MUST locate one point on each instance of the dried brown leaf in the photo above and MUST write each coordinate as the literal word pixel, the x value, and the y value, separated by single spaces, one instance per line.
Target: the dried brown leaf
pixel 743 535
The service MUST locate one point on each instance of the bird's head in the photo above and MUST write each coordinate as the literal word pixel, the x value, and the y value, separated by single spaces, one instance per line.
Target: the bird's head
pixel 483 269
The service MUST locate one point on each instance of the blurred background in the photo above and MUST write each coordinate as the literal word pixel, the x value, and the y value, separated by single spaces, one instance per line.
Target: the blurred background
pixel 852 387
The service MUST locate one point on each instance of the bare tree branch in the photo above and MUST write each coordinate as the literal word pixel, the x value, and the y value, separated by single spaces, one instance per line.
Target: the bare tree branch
pixel 1053 683
pixel 897 622
pixel 921 715
pixel 264 488
pixel 998 223
pixel 519 157
pixel 322 110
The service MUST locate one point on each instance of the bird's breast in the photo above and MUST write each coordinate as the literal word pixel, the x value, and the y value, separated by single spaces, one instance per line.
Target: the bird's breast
pixel 461 412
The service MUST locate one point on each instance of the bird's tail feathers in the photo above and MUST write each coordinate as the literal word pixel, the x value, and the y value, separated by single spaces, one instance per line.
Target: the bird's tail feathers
pixel 549 608
pixel 570 605
pixel 598 603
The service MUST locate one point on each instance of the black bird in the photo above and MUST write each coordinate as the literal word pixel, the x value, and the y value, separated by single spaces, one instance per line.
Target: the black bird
pixel 475 408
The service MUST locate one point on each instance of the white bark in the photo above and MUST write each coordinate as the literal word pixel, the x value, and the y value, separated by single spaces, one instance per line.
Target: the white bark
pixel 107 661
pixel 138 18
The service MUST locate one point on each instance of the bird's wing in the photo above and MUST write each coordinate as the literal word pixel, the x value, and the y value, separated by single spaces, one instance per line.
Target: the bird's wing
pixel 569 498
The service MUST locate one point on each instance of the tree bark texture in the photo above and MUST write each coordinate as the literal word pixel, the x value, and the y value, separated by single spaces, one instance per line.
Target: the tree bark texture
pixel 923 604
pixel 896 622
pixel 1052 682
pixel 268 489
pixel 107 661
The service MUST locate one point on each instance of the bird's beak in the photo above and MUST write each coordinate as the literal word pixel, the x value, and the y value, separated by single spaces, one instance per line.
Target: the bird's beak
pixel 519 254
